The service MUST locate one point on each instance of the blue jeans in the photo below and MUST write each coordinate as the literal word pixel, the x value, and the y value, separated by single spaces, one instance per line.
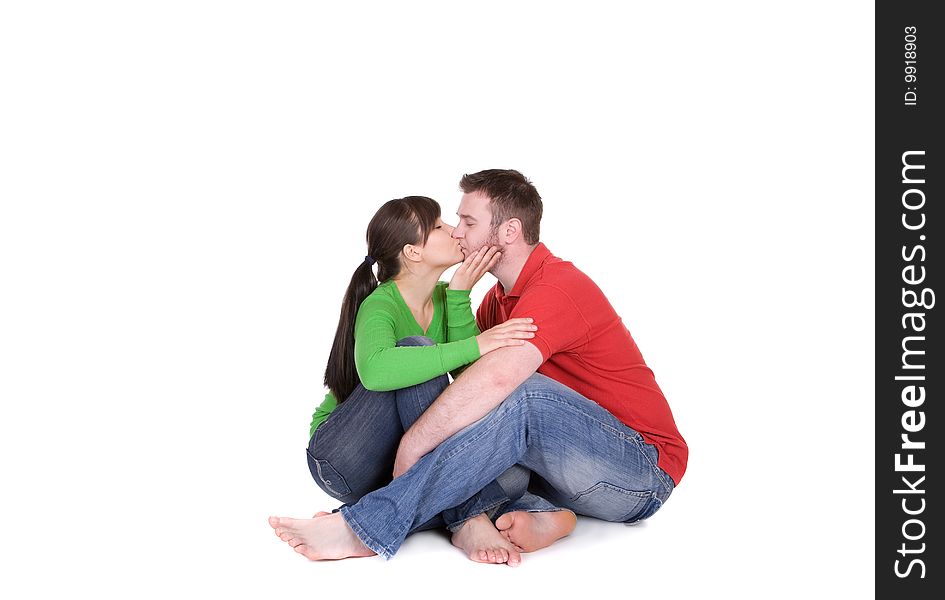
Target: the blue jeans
pixel 352 452
pixel 585 459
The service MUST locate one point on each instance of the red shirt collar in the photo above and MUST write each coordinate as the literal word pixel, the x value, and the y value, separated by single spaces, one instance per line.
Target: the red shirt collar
pixel 534 262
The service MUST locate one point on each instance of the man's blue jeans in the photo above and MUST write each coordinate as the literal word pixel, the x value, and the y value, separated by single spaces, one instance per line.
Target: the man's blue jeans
pixel 352 452
pixel 587 460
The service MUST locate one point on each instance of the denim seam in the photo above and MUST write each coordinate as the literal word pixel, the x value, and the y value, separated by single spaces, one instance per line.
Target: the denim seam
pixel 659 473
pixel 656 470
pixel 541 510
pixel 323 425
pixel 617 488
pixel 363 535
pixel 646 509
pixel 419 403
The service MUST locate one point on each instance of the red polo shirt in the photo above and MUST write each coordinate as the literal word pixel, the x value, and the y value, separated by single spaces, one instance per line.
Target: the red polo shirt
pixel 585 345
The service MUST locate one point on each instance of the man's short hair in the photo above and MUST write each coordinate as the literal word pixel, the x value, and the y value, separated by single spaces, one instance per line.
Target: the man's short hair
pixel 512 195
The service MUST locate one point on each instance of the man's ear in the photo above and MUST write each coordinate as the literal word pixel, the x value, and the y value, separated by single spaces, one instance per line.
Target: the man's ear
pixel 412 253
pixel 510 231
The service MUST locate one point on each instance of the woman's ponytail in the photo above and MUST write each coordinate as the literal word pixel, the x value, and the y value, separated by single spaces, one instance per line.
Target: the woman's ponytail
pixel 341 376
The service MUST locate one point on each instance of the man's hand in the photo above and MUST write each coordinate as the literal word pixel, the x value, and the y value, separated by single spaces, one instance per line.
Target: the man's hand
pixel 513 332
pixel 474 267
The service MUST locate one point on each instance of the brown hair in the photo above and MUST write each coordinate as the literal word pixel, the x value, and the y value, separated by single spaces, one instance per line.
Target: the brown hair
pixel 398 223
pixel 512 195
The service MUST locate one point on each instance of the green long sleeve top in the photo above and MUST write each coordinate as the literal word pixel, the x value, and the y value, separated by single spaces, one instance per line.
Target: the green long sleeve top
pixel 383 318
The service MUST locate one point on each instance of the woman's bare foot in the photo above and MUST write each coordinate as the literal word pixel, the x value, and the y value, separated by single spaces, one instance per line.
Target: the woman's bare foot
pixel 324 537
pixel 535 530
pixel 482 542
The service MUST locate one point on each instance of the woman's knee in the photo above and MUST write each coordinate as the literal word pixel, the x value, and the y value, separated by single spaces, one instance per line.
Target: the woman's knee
pixel 416 340
pixel 415 400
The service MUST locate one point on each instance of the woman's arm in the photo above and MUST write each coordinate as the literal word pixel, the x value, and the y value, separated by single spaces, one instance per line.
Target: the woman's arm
pixel 382 366
pixel 460 321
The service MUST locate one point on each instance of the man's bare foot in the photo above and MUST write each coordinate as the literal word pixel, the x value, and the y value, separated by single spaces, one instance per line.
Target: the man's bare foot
pixel 533 531
pixel 324 537
pixel 482 542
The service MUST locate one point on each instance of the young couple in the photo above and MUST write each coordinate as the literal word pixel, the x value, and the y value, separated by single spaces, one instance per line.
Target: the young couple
pixel 552 411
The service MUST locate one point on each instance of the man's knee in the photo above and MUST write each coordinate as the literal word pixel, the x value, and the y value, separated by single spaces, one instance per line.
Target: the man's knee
pixel 538 386
pixel 416 340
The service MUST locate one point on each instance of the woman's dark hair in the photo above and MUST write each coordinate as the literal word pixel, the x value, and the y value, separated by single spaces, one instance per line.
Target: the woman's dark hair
pixel 398 223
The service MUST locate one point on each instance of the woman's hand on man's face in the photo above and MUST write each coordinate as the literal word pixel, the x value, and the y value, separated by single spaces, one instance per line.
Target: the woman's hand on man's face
pixel 474 267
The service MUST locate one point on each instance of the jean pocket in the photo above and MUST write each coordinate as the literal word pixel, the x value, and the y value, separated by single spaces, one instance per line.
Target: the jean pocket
pixel 327 477
pixel 613 503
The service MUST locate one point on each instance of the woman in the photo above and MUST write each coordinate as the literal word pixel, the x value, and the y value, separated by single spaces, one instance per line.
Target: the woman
pixel 398 336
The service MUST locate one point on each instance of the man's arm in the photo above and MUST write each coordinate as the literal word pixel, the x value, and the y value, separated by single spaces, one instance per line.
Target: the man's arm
pixel 481 388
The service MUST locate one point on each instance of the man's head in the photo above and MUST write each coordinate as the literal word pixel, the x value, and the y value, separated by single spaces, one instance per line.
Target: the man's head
pixel 499 208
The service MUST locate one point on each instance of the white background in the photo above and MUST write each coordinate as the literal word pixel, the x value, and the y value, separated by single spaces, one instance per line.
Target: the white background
pixel 185 189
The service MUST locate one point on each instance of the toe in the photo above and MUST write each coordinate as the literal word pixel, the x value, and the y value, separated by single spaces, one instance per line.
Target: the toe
pixel 515 559
pixel 281 523
pixel 304 551
pixel 504 522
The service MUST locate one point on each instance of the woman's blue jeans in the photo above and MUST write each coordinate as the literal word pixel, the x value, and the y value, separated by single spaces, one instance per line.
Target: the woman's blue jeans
pixel 352 452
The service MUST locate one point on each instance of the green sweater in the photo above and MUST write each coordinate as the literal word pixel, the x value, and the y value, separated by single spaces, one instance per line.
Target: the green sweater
pixel 383 318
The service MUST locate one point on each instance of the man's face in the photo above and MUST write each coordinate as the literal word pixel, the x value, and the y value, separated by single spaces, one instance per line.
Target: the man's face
pixel 475 223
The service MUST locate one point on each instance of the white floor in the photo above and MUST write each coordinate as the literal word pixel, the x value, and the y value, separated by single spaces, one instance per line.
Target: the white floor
pixel 202 532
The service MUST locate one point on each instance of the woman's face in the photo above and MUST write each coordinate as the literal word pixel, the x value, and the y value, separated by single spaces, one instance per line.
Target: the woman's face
pixel 441 249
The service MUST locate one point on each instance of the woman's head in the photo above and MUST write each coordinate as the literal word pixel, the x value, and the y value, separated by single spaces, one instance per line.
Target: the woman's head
pixel 405 234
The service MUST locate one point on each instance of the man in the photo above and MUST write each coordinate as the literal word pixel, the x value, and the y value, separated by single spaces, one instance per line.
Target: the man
pixel 577 407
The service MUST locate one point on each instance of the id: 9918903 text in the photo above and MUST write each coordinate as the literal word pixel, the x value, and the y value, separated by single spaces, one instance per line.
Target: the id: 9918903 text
pixel 911 56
